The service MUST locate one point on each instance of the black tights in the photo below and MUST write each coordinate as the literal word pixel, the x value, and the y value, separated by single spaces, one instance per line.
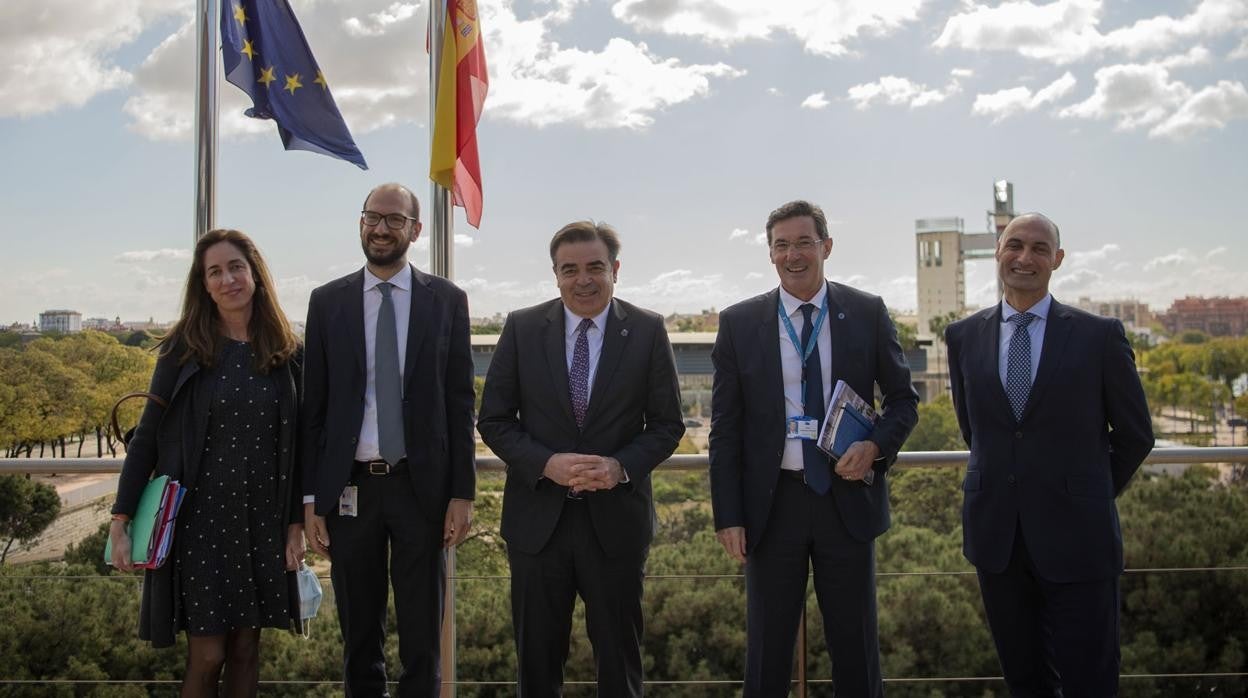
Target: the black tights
pixel 237 651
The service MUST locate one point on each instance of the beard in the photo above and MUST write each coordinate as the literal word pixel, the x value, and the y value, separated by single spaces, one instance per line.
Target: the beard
pixel 399 251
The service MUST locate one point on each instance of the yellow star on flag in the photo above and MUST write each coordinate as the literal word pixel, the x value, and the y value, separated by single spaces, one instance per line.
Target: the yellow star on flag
pixel 240 14
pixel 248 49
pixel 292 83
pixel 266 76
pixel 320 80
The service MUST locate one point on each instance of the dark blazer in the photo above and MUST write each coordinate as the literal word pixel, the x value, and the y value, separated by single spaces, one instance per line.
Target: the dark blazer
pixel 747 434
pixel 170 442
pixel 437 392
pixel 1083 433
pixel 633 416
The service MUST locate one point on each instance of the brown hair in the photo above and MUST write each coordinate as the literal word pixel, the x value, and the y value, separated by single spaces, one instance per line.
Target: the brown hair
pixel 198 333
pixel 586 231
pixel 796 209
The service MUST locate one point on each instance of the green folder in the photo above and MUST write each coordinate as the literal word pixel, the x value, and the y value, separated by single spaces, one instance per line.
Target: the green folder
pixel 146 521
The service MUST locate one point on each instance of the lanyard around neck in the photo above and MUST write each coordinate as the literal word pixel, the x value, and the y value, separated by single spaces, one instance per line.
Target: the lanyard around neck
pixel 803 352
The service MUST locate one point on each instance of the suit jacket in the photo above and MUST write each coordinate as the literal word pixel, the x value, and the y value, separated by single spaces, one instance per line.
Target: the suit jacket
pixel 1055 472
pixel 437 392
pixel 171 442
pixel 633 416
pixel 748 414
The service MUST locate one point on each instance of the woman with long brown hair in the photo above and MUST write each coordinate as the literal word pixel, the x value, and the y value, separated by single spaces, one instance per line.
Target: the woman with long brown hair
pixel 229 371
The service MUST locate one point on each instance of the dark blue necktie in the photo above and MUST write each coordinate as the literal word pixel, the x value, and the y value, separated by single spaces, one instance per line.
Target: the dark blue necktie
pixel 1018 363
pixel 578 377
pixel 818 474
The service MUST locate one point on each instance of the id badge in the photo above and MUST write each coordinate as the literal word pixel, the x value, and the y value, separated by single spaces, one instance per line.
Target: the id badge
pixel 805 428
pixel 348 501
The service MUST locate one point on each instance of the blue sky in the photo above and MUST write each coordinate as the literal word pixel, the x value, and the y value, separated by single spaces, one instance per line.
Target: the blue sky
pixel 681 122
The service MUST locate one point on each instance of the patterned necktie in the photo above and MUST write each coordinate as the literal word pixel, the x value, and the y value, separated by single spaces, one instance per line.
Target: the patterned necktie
pixel 1018 363
pixel 818 474
pixel 386 382
pixel 578 377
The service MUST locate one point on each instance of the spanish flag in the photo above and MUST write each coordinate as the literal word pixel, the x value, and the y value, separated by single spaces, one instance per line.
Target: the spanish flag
pixel 462 84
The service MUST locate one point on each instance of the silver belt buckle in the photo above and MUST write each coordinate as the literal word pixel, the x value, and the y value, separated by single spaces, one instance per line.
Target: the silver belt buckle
pixel 378 467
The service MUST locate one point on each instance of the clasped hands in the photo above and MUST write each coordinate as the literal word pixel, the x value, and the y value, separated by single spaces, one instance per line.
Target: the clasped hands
pixel 581 472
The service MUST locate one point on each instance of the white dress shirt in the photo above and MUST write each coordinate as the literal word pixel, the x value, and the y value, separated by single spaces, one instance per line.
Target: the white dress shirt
pixel 593 335
pixel 1035 331
pixel 791 366
pixel 368 447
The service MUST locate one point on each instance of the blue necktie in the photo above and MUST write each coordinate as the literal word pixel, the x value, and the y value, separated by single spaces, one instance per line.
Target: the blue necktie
pixel 1018 363
pixel 578 377
pixel 386 382
pixel 818 474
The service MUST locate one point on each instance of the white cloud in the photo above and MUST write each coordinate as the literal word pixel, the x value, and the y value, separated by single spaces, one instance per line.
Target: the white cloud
pixel 1003 104
pixel 1138 95
pixel 61 53
pixel 461 240
pixel 815 101
pixel 774 91
pixel 1078 258
pixel 738 233
pixel 536 81
pixel 962 72
pixel 152 255
pixel 1239 52
pixel 1069 30
pixel 894 90
pixel 1177 258
pixel 1211 107
pixel 1216 252
pixel 824 28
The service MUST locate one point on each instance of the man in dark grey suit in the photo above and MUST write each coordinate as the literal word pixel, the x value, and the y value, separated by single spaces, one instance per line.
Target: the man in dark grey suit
pixel 1049 401
pixel 387 445
pixel 581 402
pixel 779 504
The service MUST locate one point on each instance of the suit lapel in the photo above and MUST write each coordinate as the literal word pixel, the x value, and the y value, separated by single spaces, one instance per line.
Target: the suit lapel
pixel 838 321
pixel 989 338
pixel 614 339
pixel 353 317
pixel 1056 331
pixel 768 343
pixel 557 356
pixel 421 309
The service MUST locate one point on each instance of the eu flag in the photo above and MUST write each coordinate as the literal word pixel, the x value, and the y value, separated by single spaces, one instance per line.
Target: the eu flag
pixel 267 57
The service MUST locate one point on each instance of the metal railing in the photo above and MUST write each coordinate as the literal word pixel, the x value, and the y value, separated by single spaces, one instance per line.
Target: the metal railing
pixel 908 460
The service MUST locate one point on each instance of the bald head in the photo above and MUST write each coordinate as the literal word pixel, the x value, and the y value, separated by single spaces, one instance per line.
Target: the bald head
pixel 1038 221
pixel 413 211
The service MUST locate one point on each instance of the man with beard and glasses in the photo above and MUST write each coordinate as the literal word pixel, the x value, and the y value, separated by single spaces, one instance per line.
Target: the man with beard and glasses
pixel 387 445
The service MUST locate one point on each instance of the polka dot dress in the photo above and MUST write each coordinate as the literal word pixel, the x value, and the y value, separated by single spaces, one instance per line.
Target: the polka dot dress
pixel 230 541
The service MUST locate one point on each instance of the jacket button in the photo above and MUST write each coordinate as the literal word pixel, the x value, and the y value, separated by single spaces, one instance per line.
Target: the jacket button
pixel 283 421
pixel 1018 434
pixel 283 477
pixel 1010 479
pixel 354 439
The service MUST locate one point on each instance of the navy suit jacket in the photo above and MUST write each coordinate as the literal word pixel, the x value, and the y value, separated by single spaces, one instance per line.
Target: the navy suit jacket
pixel 1055 472
pixel 748 415
pixel 437 392
pixel 633 416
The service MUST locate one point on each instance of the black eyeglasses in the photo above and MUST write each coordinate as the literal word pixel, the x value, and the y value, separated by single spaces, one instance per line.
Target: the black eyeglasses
pixel 394 221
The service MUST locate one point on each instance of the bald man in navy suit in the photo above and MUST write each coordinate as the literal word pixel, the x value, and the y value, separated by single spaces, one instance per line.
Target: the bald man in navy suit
pixel 1050 403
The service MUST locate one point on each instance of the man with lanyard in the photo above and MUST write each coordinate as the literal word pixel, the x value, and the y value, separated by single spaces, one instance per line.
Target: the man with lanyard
pixel 781 505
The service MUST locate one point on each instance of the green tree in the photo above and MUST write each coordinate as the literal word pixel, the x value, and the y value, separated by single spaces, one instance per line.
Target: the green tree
pixel 26 509
pixel 907 334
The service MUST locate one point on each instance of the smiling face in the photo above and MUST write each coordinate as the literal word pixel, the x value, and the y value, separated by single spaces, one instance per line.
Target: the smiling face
pixel 228 277
pixel 1027 255
pixel 385 248
pixel 586 276
pixel 798 255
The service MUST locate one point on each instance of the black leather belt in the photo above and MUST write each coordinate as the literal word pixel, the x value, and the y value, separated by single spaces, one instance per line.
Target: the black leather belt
pixel 799 475
pixel 379 466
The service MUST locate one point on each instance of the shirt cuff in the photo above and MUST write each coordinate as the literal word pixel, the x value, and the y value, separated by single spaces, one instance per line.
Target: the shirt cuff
pixel 309 499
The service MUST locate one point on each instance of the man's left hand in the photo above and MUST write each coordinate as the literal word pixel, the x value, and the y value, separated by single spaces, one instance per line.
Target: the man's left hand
pixel 858 459
pixel 602 474
pixel 458 522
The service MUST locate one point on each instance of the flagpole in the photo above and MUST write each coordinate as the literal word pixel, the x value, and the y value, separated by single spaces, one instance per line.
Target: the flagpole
pixel 440 221
pixel 206 41
pixel 441 264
